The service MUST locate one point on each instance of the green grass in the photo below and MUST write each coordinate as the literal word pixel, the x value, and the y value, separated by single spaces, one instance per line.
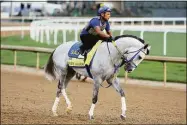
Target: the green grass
pixel 27 41
pixel 149 70
pixel 23 58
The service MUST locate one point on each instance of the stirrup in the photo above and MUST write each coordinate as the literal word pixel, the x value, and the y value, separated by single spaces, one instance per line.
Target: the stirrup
pixel 81 56
pixel 84 53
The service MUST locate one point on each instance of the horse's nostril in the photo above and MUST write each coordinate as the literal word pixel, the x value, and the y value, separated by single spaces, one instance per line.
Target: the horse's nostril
pixel 129 71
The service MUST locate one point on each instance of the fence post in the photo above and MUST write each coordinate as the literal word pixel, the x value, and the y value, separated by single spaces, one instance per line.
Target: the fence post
pixel 163 22
pixel 64 36
pixel 165 43
pixel 165 73
pixel 22 31
pixel 15 58
pixel 37 33
pixel 126 76
pixel 121 32
pixel 55 37
pixel 142 23
pixel 47 35
pixel 141 34
pixel 37 60
pixel 76 32
pixel 174 23
pixel 152 22
pixel 41 35
pixel 132 23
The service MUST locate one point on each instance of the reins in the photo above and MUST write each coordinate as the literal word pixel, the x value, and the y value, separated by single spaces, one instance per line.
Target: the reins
pixel 115 66
pixel 124 60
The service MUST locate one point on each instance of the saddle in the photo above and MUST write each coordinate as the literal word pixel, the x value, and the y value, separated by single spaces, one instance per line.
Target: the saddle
pixel 76 60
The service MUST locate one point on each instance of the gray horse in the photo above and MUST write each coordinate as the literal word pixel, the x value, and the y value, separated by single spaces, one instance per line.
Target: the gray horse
pixel 127 50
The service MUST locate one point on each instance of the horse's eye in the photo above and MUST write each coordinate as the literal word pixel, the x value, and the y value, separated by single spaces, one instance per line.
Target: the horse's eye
pixel 139 57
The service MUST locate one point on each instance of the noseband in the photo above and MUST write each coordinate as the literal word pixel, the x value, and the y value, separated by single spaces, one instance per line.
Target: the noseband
pixel 126 61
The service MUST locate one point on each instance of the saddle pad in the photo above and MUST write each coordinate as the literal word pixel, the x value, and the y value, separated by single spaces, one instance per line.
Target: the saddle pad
pixel 75 50
pixel 79 62
pixel 74 62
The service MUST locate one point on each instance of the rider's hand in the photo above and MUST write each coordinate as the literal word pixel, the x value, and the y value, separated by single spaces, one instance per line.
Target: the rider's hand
pixel 110 39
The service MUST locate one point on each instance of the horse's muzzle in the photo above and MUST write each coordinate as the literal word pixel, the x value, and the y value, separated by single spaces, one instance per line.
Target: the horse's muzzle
pixel 128 68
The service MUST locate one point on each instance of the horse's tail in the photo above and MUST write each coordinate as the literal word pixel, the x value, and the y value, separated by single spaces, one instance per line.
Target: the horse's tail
pixel 50 68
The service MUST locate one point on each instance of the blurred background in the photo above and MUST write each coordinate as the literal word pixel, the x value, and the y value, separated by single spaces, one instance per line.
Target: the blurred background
pixel 48 24
pixel 89 8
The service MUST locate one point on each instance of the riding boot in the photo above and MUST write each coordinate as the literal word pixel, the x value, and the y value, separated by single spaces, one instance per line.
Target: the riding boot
pixel 82 50
pixel 85 55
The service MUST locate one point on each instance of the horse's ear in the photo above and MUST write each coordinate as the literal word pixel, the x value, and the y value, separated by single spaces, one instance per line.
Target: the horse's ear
pixel 147 48
pixel 146 45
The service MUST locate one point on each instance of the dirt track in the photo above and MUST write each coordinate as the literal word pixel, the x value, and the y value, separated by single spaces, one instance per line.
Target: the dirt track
pixel 27 99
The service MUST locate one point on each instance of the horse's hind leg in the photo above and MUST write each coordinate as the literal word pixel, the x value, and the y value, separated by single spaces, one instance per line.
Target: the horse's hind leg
pixel 58 94
pixel 62 84
pixel 70 74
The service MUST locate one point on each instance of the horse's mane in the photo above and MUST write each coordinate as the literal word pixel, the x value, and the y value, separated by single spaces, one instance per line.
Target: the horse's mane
pixel 141 40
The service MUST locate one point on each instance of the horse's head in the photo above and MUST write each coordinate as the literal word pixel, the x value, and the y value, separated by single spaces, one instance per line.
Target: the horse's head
pixel 134 56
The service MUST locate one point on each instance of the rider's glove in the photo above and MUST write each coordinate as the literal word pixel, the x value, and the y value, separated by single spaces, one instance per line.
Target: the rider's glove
pixel 110 39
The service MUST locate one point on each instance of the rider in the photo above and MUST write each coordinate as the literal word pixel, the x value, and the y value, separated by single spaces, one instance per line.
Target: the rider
pixel 93 32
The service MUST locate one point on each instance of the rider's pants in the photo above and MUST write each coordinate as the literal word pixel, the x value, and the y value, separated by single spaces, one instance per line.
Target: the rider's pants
pixel 88 41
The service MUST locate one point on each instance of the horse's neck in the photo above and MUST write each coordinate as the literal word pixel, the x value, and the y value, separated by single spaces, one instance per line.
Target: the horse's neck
pixel 122 44
pixel 110 52
pixel 126 42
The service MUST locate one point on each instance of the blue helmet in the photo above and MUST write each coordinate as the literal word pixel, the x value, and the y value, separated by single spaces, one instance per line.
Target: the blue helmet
pixel 103 9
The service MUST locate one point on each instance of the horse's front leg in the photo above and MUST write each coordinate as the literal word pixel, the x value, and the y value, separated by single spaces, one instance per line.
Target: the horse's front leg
pixel 95 97
pixel 116 85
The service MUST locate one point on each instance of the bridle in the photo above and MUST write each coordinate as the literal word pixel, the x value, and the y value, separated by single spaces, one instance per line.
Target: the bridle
pixel 124 61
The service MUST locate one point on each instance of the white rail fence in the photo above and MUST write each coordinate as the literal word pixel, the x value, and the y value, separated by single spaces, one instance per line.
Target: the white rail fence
pixel 113 20
pixel 41 29
pixel 39 32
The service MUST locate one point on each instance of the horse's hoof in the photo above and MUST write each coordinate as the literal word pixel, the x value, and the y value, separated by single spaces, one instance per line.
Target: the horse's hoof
pixel 91 117
pixel 68 110
pixel 122 117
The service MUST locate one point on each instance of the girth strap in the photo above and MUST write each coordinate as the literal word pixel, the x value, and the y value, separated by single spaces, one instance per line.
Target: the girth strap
pixel 88 70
